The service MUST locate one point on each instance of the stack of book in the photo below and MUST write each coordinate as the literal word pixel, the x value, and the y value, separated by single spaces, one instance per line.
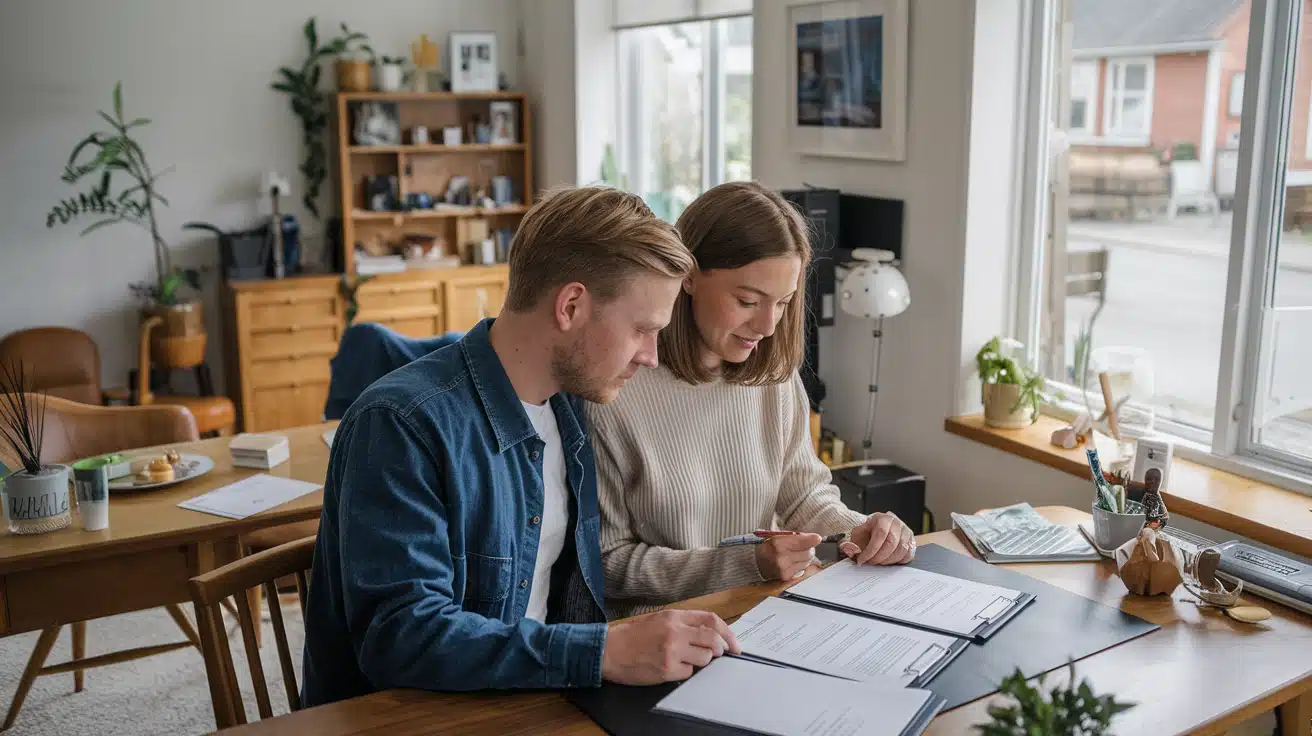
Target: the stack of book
pixel 1018 533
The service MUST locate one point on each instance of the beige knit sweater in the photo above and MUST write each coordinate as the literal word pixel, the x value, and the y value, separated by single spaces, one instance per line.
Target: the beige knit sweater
pixel 680 467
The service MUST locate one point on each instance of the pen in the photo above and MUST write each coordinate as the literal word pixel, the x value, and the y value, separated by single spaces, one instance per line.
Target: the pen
pixel 763 536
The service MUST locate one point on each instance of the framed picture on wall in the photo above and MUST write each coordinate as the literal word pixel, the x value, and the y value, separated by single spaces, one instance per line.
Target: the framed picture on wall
pixel 473 61
pixel 848 78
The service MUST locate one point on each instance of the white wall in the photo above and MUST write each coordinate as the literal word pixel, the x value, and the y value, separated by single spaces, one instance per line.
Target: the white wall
pixel 201 71
pixel 551 76
pixel 953 176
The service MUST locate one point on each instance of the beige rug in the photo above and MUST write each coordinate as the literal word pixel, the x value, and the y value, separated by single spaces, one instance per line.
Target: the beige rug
pixel 164 694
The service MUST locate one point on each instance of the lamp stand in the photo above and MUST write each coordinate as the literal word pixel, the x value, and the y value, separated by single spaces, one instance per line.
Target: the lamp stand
pixel 868 443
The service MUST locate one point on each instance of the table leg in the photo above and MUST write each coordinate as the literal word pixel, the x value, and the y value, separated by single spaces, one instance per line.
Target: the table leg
pixel 40 652
pixel 1296 716
pixel 79 652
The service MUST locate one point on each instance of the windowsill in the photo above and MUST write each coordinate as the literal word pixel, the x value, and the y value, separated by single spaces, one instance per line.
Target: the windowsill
pixel 1261 512
pixel 1109 142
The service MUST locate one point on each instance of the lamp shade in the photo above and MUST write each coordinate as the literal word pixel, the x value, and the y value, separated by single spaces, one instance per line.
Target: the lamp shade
pixel 874 287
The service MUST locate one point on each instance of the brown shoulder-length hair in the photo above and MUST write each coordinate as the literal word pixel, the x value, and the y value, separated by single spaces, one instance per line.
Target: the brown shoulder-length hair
pixel 728 227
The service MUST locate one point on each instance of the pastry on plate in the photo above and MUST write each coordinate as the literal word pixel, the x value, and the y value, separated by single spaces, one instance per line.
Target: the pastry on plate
pixel 160 470
pixel 172 456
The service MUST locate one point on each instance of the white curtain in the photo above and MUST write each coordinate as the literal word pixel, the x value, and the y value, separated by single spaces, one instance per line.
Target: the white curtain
pixel 636 13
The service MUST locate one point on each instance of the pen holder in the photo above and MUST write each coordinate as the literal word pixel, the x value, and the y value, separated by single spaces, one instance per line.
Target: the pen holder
pixel 1111 530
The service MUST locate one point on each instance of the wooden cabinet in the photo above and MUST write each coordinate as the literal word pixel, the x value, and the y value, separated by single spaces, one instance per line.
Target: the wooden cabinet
pixel 282 335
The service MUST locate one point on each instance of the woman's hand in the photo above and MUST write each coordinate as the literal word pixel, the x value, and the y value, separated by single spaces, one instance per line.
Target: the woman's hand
pixel 785 557
pixel 882 539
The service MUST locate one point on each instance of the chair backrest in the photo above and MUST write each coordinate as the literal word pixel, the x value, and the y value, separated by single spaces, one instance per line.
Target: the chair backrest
pixel 73 430
pixel 367 352
pixel 62 361
pixel 208 591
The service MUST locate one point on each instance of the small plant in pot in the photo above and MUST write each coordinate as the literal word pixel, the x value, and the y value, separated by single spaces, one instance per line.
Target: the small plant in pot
pixel 1012 394
pixel 35 494
pixel 354 60
pixel 389 74
pixel 102 158
pixel 1064 710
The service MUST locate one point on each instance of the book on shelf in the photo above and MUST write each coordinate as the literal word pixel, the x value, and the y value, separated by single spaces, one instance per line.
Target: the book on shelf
pixel 1018 533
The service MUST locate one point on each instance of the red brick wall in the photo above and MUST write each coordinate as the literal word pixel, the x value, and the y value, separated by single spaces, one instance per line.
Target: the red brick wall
pixel 1179 88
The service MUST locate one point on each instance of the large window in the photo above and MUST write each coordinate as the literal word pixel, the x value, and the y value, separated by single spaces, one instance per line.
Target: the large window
pixel 686 109
pixel 1174 257
pixel 1084 98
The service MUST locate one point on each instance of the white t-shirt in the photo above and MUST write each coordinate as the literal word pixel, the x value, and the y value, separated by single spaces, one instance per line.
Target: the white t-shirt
pixel 555 507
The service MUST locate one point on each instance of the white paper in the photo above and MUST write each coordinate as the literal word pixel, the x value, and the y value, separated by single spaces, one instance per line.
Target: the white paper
pixel 780 700
pixel 248 496
pixel 839 644
pixel 907 594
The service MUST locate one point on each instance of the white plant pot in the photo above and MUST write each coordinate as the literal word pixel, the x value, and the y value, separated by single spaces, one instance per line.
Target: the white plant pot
pixel 389 77
pixel 36 504
pixel 999 398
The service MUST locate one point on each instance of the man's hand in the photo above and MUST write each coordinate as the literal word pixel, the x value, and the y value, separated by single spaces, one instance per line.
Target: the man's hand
pixel 785 557
pixel 664 646
pixel 882 539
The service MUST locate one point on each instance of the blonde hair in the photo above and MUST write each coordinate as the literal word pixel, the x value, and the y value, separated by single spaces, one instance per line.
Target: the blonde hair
pixel 728 227
pixel 597 236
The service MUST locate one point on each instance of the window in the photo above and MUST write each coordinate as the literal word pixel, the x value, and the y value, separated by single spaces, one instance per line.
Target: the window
pixel 1084 97
pixel 1200 317
pixel 686 111
pixel 1128 112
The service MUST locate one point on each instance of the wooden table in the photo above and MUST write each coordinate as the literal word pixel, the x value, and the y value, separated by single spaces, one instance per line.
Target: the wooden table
pixel 1201 673
pixel 151 548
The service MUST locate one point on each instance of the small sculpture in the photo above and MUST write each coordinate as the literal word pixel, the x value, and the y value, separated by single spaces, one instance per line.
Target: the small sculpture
pixel 376 125
pixel 1149 564
pixel 1207 586
pixel 1154 506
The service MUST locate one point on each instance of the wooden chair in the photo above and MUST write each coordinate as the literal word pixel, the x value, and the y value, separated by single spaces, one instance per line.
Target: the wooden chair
pixel 232 581
pixel 213 413
pixel 74 430
pixel 61 361
pixel 1086 275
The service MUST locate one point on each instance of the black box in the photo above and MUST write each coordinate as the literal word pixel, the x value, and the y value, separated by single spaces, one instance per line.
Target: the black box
pixel 886 487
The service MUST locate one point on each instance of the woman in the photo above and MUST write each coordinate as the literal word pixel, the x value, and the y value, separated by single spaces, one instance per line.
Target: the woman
pixel 715 442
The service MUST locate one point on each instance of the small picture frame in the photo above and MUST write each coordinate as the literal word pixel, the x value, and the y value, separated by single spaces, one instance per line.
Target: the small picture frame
pixel 505 118
pixel 473 62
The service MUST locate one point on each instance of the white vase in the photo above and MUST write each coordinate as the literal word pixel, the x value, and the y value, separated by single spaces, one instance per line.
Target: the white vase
pixel 389 77
pixel 37 503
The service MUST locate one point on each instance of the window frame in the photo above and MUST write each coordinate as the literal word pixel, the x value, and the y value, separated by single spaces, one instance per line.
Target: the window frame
pixel 1092 99
pixel 1273 32
pixel 1112 103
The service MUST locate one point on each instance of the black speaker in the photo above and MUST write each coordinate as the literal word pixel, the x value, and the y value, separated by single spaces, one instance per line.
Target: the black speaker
pixel 869 222
pixel 886 487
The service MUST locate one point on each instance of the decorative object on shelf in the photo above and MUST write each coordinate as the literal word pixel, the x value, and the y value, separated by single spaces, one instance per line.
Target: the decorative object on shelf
pixel 479 130
pixel 419 135
pixel 354 61
pixel 427 66
pixel 1011 393
pixel 376 124
pixel 91 480
pixel 389 73
pixel 504 119
pixel 1149 564
pixel 311 107
pixel 457 191
pixel 276 187
pixel 1065 709
pixel 451 136
pixel 102 156
pixel 243 254
pixel 848 78
pixel 35 494
pixel 505 238
pixel 874 288
pixel 1074 434
pixel 418 201
pixel 473 62
pixel 502 191
pixel 1153 504
pixel 380 193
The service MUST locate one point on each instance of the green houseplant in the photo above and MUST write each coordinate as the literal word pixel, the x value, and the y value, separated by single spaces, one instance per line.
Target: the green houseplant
pixel 310 105
pixel 104 158
pixel 1065 710
pixel 1012 394
pixel 35 494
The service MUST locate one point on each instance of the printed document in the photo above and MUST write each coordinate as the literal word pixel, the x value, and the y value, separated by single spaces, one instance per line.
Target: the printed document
pixel 906 594
pixel 749 695
pixel 842 644
pixel 248 496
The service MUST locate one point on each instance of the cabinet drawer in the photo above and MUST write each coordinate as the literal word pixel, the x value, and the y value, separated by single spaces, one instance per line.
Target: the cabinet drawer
pixel 292 341
pixel 293 307
pixel 409 321
pixel 469 301
pixel 290 371
pixel 382 296
pixel 287 406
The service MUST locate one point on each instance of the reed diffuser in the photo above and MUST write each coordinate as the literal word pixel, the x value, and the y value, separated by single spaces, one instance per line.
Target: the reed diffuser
pixel 35 494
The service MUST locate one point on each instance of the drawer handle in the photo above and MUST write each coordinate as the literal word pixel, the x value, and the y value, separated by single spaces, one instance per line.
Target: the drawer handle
pixel 394 291
pixel 288 300
pixel 293 328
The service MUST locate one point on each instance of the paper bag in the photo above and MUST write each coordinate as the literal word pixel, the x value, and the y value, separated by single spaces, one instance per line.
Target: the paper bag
pixel 1149 564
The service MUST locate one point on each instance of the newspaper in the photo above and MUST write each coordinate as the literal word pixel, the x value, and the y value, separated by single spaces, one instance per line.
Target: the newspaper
pixel 1018 533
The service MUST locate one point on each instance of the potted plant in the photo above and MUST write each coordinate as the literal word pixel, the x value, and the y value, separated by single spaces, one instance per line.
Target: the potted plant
pixel 35 494
pixel 1011 393
pixel 1068 710
pixel 354 60
pixel 389 73
pixel 102 157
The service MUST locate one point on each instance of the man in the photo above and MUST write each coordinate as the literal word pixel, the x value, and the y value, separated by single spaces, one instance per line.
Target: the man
pixel 459 542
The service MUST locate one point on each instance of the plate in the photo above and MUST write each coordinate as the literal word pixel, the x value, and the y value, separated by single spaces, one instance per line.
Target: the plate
pixel 189 466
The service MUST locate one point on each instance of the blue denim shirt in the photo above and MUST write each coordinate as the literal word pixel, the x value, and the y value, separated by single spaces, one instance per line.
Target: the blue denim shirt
pixel 429 536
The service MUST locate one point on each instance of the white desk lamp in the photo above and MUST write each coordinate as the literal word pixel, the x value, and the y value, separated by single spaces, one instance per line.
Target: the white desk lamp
pixel 874 289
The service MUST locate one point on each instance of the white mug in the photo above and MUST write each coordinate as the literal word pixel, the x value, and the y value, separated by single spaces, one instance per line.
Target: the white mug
pixel 419 136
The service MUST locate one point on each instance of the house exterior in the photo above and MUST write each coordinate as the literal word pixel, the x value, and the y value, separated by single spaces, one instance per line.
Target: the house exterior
pixel 1150 74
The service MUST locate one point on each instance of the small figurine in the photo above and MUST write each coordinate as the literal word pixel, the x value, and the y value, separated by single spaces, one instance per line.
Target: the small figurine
pixel 1154 506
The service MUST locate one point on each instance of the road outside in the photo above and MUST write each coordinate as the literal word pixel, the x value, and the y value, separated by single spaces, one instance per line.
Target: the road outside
pixel 1166 287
